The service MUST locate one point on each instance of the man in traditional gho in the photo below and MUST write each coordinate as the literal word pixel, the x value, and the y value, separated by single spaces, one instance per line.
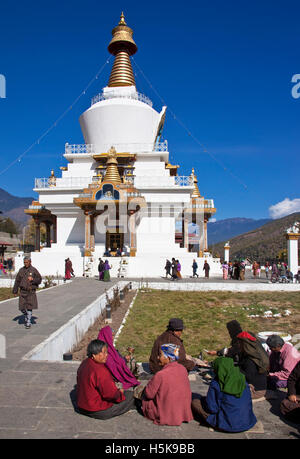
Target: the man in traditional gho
pixel 206 269
pixel 173 336
pixel 27 281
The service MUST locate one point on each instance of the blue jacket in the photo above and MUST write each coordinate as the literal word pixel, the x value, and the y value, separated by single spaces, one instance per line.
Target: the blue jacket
pixel 227 412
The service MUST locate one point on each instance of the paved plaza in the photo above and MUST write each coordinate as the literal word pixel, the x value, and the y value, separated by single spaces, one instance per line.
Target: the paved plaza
pixel 37 398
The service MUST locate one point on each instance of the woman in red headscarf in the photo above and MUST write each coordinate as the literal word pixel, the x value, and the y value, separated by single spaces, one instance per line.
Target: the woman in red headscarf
pixel 254 363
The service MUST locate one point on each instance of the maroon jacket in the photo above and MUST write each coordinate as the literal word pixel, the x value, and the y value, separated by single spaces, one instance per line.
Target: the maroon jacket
pixel 168 337
pixel 96 390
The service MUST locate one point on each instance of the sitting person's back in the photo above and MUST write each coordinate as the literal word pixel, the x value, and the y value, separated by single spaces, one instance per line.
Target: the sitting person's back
pixel 167 397
pixel 228 404
pixel 173 336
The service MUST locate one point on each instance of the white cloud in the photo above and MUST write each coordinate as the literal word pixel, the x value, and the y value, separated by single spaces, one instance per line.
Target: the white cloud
pixel 212 220
pixel 285 207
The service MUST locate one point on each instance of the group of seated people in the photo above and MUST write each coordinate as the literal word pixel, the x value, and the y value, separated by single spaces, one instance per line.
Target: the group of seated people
pixel 108 387
pixel 117 252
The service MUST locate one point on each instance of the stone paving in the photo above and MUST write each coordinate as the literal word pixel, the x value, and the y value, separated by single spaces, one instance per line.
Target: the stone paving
pixel 37 398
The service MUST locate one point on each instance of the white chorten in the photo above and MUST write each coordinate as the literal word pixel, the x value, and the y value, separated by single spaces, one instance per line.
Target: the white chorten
pixel 119 190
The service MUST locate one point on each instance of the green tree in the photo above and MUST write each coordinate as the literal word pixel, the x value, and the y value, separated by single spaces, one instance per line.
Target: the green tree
pixel 8 226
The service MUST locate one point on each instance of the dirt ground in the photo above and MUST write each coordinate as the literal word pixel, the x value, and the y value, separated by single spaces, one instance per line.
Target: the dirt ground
pixel 79 352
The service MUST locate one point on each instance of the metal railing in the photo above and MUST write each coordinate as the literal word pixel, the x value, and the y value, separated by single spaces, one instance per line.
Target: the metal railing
pixel 64 182
pixel 148 181
pixel 137 96
pixel 91 149
pixel 182 180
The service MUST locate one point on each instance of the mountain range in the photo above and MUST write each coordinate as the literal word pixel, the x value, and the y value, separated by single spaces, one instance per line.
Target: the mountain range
pixel 264 243
pixel 226 229
pixel 13 207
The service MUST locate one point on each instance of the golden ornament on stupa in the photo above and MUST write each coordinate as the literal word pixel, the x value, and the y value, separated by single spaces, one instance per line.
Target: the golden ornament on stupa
pixel 112 174
pixel 122 46
pixel 196 192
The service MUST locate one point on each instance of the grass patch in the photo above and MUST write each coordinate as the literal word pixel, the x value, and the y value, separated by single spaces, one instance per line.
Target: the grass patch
pixel 205 315
pixel 5 293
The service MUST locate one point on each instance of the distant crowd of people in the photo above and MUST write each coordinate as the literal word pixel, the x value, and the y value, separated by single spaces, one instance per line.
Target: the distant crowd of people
pixel 234 270
pixel 173 269
pixel 108 384
pixel 6 265
pixel 118 252
pixel 103 269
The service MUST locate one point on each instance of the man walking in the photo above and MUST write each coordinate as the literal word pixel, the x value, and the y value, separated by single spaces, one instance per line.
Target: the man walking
pixel 168 268
pixel 195 267
pixel 206 269
pixel 27 280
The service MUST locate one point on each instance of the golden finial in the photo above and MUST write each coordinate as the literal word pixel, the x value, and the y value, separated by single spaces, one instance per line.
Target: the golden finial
pixel 112 174
pixel 112 152
pixel 122 46
pixel 52 179
pixel 196 192
pixel 122 19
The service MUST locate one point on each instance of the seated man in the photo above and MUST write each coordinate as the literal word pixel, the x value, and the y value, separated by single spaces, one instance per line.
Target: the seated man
pixel 290 406
pixel 97 394
pixel 171 335
pixel 283 359
pixel 167 397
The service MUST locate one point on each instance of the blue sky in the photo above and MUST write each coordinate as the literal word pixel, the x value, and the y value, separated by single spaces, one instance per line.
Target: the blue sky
pixel 224 70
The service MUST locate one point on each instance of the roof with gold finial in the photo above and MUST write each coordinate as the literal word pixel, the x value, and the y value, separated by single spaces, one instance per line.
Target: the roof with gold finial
pixel 112 174
pixel 196 192
pixel 122 46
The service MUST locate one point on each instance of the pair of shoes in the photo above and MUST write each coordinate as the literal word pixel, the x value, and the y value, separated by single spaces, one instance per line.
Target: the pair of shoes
pixel 27 326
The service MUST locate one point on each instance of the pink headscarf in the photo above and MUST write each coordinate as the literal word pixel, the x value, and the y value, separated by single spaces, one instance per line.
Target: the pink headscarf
pixel 115 363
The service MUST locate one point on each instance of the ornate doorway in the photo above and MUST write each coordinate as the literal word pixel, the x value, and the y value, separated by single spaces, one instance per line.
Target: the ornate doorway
pixel 114 241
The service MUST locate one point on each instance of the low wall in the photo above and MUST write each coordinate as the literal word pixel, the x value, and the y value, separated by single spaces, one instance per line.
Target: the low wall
pixel 217 286
pixel 67 336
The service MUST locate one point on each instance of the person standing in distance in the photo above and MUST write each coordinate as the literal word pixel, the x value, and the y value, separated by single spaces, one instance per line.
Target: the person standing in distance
pixel 27 281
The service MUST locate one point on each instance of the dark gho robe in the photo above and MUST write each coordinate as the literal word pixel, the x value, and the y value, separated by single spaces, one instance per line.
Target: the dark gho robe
pixel 27 295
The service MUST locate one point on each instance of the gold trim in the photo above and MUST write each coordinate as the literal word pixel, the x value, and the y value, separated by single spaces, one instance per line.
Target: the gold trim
pixel 292 236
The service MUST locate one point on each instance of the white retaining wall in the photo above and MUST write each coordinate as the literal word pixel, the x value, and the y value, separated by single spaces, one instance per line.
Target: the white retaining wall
pixel 64 339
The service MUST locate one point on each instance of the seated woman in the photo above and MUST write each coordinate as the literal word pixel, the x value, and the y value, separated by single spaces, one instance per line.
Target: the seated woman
pixel 97 394
pixel 254 364
pixel 167 397
pixel 283 359
pixel 234 328
pixel 290 406
pixel 115 362
pixel 227 405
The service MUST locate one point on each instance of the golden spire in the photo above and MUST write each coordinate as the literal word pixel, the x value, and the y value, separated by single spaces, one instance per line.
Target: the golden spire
pixel 196 192
pixel 112 174
pixel 122 46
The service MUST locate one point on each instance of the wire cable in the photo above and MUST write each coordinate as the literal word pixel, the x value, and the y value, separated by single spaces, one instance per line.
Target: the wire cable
pixel 18 159
pixel 204 149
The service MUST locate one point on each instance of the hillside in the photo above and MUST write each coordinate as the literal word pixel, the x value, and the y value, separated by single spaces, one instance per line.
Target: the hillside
pixel 230 227
pixel 13 207
pixel 263 243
